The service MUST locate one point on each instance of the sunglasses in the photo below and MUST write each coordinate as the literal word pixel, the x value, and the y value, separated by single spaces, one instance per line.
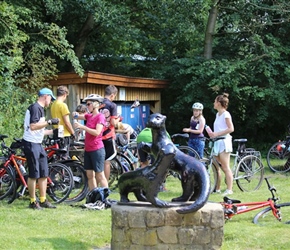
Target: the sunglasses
pixel 89 103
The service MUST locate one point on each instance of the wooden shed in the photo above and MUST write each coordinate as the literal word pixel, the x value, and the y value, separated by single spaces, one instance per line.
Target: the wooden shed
pixel 146 90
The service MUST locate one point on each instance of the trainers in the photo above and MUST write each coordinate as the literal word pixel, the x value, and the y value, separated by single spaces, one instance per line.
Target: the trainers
pixel 35 205
pixel 227 192
pixel 46 204
pixel 98 205
pixel 218 191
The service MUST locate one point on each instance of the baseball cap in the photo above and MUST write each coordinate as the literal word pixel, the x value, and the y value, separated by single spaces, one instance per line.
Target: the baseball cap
pixel 46 91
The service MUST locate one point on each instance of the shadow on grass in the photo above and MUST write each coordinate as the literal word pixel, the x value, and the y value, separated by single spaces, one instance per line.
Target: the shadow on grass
pixel 60 243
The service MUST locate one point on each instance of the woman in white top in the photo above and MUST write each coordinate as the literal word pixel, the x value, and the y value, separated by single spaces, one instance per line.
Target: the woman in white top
pixel 223 126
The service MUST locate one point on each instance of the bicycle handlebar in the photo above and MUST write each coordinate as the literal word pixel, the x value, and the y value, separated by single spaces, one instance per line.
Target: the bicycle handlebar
pixel 215 138
pixel 272 189
pixel 185 135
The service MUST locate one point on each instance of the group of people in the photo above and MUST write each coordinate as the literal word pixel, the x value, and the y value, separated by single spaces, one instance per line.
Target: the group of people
pixel 101 119
pixel 223 126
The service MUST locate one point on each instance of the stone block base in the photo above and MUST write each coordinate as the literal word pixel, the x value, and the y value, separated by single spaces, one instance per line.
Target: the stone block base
pixel 148 227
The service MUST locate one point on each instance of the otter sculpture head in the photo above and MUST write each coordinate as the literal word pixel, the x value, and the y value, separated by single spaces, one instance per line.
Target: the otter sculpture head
pixel 156 120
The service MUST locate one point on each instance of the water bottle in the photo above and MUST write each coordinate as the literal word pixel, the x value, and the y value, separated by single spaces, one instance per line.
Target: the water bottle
pixel 208 129
pixel 60 131
pixel 280 147
pixel 75 117
pixel 22 169
pixel 242 208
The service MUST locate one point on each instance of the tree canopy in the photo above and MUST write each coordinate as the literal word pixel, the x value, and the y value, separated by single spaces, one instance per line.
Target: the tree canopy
pixel 204 47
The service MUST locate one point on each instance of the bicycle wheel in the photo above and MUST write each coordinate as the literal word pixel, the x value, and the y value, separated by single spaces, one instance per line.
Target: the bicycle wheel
pixel 212 172
pixel 62 182
pixel 126 163
pixel 189 151
pixel 80 187
pixel 278 159
pixel 7 184
pixel 266 217
pixel 249 173
pixel 116 170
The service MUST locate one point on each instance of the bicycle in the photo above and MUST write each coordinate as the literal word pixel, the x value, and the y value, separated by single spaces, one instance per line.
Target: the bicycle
pixel 278 156
pixel 184 148
pixel 59 180
pixel 234 207
pixel 55 154
pixel 248 170
pixel 7 183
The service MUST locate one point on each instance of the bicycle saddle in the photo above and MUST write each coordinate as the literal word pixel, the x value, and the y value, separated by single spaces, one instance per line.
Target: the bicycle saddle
pixel 230 201
pixel 3 137
pixel 240 140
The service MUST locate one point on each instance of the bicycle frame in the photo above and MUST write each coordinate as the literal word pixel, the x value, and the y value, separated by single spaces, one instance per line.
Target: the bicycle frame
pixel 247 169
pixel 13 158
pixel 231 210
pixel 234 207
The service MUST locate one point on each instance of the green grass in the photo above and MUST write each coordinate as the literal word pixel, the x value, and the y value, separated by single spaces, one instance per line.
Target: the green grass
pixel 69 227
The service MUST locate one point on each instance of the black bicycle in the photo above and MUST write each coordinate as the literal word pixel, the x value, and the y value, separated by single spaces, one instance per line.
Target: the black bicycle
pixel 278 156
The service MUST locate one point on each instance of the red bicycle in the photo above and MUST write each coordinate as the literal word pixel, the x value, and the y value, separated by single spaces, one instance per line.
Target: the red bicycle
pixel 7 183
pixel 59 180
pixel 273 210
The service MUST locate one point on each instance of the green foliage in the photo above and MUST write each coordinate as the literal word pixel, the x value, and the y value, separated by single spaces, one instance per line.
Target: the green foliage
pixel 250 62
pixel 159 39
pixel 29 49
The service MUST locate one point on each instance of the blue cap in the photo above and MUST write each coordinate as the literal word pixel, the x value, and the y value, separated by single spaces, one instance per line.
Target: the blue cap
pixel 46 91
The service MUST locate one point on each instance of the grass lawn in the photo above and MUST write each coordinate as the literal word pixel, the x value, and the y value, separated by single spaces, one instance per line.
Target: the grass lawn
pixel 70 227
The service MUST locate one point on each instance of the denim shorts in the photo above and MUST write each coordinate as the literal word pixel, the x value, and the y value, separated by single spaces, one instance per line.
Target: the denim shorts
pixel 95 160
pixel 198 145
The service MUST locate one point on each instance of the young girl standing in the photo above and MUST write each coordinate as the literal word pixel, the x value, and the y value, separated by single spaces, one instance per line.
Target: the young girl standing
pixel 223 126
pixel 197 123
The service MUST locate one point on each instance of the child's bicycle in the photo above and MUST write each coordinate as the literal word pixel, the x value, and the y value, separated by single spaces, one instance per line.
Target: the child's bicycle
pixel 248 170
pixel 273 210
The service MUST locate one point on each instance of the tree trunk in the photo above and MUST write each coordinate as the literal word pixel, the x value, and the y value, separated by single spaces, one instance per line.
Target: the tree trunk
pixel 84 33
pixel 210 30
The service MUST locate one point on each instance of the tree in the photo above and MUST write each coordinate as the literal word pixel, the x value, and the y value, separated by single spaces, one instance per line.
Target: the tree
pixel 28 52
pixel 249 60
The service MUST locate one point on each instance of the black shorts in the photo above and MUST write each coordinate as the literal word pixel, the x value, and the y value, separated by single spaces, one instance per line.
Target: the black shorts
pixel 36 158
pixel 110 149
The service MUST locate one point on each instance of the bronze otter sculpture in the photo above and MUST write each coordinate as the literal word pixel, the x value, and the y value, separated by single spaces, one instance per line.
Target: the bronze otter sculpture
pixel 194 177
pixel 145 182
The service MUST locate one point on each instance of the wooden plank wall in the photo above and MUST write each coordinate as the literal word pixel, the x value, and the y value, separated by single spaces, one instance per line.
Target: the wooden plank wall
pixel 79 92
pixel 131 93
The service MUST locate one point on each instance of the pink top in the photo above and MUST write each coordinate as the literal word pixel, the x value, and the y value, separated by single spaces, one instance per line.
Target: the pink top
pixel 92 142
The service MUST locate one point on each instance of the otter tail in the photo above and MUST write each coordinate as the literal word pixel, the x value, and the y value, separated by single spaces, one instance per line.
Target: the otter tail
pixel 201 191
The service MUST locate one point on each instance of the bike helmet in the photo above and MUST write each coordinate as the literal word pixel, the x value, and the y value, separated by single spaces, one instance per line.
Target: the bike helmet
pixel 197 105
pixel 94 98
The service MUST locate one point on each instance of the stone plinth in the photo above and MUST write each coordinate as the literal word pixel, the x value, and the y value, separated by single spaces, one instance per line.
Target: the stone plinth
pixel 148 227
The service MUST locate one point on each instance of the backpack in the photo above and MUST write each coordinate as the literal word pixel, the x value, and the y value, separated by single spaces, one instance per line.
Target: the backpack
pixel 97 194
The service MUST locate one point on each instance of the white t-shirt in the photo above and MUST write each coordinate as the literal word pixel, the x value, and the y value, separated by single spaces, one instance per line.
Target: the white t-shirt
pixel 220 121
pixel 221 125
